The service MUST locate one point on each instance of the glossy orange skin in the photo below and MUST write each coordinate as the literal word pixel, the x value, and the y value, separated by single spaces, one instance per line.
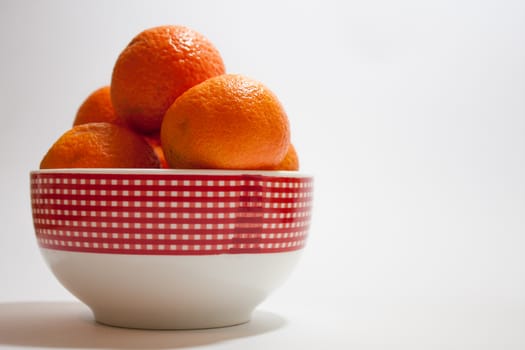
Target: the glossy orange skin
pixel 157 66
pixel 100 145
pixel 226 122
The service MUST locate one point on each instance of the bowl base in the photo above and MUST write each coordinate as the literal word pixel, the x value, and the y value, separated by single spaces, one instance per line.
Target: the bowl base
pixel 168 322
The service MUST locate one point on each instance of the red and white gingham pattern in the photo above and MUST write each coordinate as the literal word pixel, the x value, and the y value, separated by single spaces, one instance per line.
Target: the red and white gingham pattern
pixel 170 214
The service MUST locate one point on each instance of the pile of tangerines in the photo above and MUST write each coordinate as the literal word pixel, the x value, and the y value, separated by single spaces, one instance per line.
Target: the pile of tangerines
pixel 171 104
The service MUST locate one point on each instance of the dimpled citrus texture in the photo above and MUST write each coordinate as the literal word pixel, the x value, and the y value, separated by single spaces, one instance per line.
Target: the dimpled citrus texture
pixel 226 122
pixel 157 66
pixel 100 145
pixel 97 107
pixel 290 160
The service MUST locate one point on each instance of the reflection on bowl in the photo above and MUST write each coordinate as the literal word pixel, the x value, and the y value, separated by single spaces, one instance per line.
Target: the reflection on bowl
pixel 171 249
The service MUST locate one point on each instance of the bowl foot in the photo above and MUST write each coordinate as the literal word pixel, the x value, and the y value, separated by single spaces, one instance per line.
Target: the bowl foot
pixel 172 321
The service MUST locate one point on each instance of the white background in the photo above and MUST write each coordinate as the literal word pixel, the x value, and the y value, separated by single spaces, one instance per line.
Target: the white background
pixel 410 114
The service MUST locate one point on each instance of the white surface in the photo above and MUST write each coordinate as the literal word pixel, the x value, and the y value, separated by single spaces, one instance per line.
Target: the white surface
pixel 409 113
pixel 401 324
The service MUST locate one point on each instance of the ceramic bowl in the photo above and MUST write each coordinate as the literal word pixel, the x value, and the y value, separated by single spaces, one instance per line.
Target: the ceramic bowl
pixel 171 249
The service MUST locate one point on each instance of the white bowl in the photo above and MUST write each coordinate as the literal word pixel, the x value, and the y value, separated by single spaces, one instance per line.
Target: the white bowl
pixel 171 249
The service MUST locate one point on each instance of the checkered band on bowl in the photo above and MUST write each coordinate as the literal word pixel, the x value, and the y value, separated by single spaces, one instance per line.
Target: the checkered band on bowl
pixel 170 214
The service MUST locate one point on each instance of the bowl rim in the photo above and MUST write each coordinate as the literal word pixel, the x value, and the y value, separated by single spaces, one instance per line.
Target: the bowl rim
pixel 155 171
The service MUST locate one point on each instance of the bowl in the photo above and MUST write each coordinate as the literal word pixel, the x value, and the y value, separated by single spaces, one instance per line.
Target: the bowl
pixel 171 249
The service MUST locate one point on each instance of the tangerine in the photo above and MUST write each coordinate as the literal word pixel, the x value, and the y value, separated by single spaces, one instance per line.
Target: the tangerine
pixel 157 66
pixel 100 145
pixel 154 142
pixel 97 107
pixel 290 160
pixel 226 122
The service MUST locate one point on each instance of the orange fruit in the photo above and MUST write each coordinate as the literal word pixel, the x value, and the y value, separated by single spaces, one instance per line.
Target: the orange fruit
pixel 157 66
pixel 154 142
pixel 226 122
pixel 100 145
pixel 290 160
pixel 97 107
